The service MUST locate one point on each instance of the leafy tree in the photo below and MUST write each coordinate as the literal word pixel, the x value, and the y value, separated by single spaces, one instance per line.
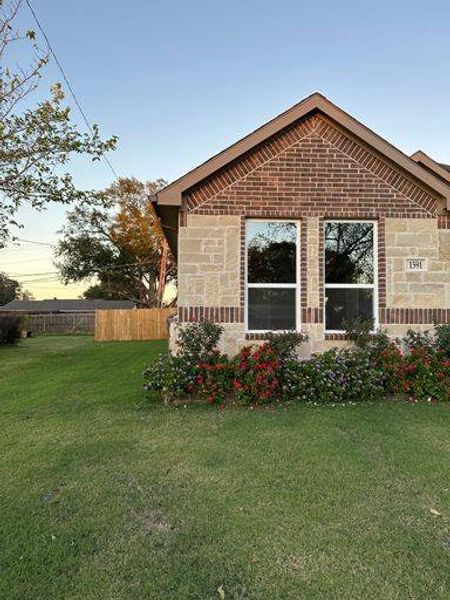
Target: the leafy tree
pixel 10 289
pixel 100 291
pixel 121 242
pixel 36 142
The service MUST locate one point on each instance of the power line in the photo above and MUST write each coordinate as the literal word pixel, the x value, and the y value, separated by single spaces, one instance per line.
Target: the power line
pixel 93 271
pixel 70 88
pixel 34 242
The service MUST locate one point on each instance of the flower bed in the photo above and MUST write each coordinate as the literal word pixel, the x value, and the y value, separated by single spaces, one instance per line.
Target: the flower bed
pixel 416 368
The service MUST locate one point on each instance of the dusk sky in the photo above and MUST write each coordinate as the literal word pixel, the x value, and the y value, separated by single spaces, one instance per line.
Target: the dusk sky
pixel 178 81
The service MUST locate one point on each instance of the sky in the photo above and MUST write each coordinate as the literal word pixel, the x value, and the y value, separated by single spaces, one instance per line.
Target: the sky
pixel 179 80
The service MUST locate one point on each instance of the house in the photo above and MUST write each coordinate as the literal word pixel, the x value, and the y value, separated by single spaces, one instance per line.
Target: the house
pixel 65 306
pixel 307 223
pixel 62 316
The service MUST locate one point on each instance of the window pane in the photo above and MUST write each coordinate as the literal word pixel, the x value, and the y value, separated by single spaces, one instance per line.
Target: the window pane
pixel 349 253
pixel 271 309
pixel 347 304
pixel 271 249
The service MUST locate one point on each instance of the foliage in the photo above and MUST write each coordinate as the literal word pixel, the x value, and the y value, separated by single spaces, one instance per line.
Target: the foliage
pixel 419 374
pixel 199 340
pixel 10 289
pixel 120 242
pixel 436 341
pixel 11 326
pixel 425 375
pixel 442 339
pixel 359 331
pixel 100 291
pixel 36 143
pixel 346 375
pixel 375 368
pixel 285 344
pixel 257 375
pixel 198 369
pixel 419 339
pixel 174 376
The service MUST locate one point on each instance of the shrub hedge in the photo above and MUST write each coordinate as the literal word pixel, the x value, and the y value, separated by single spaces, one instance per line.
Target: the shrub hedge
pixel 11 326
pixel 416 368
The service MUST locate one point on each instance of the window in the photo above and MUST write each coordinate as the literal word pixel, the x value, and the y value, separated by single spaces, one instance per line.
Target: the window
pixel 272 275
pixel 350 273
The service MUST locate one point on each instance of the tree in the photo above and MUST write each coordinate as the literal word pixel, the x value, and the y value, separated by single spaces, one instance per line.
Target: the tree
pixel 100 291
pixel 35 143
pixel 10 290
pixel 121 242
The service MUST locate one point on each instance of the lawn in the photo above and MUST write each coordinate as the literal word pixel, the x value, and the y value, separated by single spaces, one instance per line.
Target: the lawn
pixel 103 495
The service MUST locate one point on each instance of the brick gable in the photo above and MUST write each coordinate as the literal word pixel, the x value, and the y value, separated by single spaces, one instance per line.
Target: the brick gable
pixel 311 169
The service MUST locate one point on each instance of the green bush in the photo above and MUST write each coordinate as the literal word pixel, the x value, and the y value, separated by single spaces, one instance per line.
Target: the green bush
pixel 334 376
pixel 198 340
pixel 256 377
pixel 374 368
pixel 198 368
pixel 286 344
pixel 414 340
pixel 442 339
pixel 11 326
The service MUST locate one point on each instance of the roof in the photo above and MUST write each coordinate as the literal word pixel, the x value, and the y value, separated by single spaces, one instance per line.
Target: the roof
pixel 52 306
pixel 171 195
pixel 441 171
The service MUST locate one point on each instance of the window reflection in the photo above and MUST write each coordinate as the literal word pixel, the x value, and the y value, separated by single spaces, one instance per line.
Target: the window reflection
pixel 271 252
pixel 349 253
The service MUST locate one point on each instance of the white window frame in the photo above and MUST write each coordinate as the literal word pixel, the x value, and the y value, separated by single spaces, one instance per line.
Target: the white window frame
pixel 373 286
pixel 295 286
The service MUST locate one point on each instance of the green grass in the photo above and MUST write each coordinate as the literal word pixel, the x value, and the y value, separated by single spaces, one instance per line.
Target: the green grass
pixel 105 496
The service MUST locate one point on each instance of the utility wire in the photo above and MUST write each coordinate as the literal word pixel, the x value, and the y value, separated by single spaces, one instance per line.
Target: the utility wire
pixel 94 271
pixel 34 242
pixel 70 88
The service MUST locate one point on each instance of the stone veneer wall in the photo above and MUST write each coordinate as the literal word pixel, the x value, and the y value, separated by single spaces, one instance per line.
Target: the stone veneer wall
pixel 409 238
pixel 209 266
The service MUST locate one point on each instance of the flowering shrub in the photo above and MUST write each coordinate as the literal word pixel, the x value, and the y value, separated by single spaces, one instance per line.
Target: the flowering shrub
pixel 425 375
pixel 198 340
pixel 198 369
pixel 437 341
pixel 442 339
pixel 375 368
pixel 335 376
pixel 415 340
pixel 177 376
pixel 256 377
pixel 420 374
pixel 285 344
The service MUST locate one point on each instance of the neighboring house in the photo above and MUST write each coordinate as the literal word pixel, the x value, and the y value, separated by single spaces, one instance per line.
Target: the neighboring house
pixel 62 316
pixel 307 223
pixel 65 306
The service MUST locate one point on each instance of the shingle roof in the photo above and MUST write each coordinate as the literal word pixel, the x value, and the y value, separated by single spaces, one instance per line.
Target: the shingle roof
pixel 446 167
pixel 66 305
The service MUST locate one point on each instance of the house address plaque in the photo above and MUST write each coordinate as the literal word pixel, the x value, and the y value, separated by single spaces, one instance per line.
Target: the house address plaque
pixel 414 265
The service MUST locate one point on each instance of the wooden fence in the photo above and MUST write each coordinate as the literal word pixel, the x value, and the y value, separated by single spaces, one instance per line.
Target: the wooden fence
pixel 134 324
pixel 60 323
